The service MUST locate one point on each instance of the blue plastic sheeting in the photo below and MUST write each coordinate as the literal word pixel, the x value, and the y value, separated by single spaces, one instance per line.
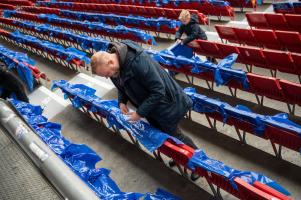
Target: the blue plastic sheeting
pixel 285 6
pixel 85 41
pixel 203 104
pixel 141 35
pixel 120 19
pixel 200 159
pixel 159 3
pixel 55 49
pixel 110 110
pixel 18 61
pixel 80 95
pixel 80 158
pixel 160 195
pixel 180 55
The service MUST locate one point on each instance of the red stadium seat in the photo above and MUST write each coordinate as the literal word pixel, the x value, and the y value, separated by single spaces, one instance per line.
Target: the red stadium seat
pixel 245 36
pixel 249 192
pixel 272 87
pixel 270 191
pixel 297 61
pixel 226 32
pixel 276 21
pixel 291 40
pixel 257 20
pixel 227 49
pixel 293 21
pixel 279 60
pixel 284 138
pixel 266 38
pixel 252 56
pixel 208 48
pixel 291 91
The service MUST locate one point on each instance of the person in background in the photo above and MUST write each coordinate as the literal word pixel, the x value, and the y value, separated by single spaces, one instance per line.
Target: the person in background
pixel 11 84
pixel 191 27
pixel 142 81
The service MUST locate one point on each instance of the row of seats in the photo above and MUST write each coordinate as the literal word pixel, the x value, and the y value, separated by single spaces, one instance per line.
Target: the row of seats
pixel 7 7
pixel 72 154
pixel 287 7
pixel 120 32
pixel 86 43
pixel 270 87
pixel 212 7
pixel 277 21
pixel 159 25
pixel 214 171
pixel 23 66
pixel 273 60
pixel 244 4
pixel 17 2
pixel 281 90
pixel 278 129
pixel 281 40
pixel 69 57
pixel 123 10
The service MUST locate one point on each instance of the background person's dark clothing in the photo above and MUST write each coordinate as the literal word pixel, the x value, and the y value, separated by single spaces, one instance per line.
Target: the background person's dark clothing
pixel 192 30
pixel 10 84
pixel 144 83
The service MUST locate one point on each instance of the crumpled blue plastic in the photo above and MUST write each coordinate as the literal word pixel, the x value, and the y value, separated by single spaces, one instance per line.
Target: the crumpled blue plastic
pixel 80 158
pixel 18 61
pixel 281 120
pixel 200 159
pixel 180 55
pixel 286 6
pixel 54 49
pixel 120 19
pixel 203 104
pixel 161 195
pixel 141 35
pixel 148 136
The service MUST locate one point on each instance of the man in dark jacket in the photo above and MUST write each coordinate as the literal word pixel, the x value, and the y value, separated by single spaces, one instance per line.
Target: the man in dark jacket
pixel 143 82
pixel 191 27
pixel 11 84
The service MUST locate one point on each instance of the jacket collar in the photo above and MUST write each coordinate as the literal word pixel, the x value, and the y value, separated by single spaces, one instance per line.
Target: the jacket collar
pixel 122 50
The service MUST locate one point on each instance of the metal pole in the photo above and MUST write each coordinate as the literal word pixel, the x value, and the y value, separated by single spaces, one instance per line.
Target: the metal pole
pixel 58 173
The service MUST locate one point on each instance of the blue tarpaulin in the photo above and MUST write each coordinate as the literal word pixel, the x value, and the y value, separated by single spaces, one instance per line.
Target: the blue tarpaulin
pixel 19 62
pixel 203 104
pixel 152 138
pixel 80 158
pixel 180 55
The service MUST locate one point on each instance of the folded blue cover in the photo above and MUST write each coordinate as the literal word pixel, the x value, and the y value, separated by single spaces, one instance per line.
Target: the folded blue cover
pixel 80 158
pixel 18 61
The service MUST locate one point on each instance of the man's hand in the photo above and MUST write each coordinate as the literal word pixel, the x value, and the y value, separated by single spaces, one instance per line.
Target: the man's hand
pixel 179 41
pixel 124 109
pixel 133 116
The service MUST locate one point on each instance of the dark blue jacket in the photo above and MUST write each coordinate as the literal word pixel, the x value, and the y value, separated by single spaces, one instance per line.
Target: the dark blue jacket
pixel 192 30
pixel 144 83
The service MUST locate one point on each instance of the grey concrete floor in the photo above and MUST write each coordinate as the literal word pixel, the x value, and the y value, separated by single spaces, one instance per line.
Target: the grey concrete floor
pixel 133 170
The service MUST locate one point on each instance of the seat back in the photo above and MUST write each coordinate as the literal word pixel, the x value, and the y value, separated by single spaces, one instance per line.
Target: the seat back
pixel 257 20
pixel 249 192
pixel 280 60
pixel 289 39
pixel 291 91
pixel 208 48
pixel 245 36
pixel 266 38
pixel 297 62
pixel 272 87
pixel 276 21
pixel 293 21
pixel 252 56
pixel 226 32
